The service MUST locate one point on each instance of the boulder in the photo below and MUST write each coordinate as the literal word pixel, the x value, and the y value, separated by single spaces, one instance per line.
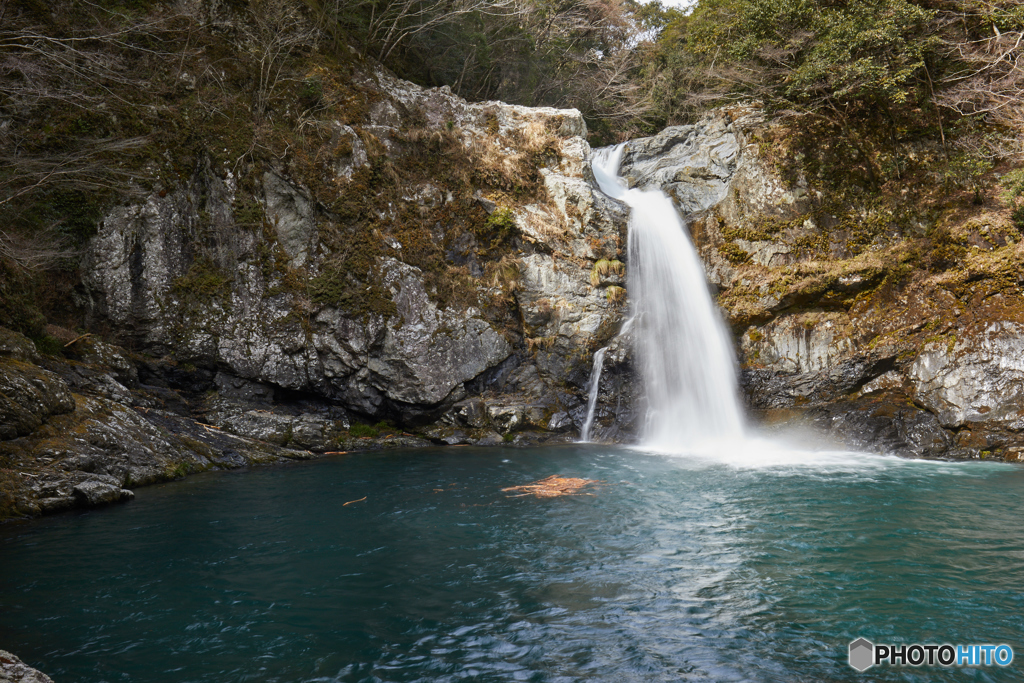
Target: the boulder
pixel 13 670
pixel 17 346
pixel 29 396
pixel 101 490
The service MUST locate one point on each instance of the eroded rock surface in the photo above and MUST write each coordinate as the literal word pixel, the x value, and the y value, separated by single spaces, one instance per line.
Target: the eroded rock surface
pixel 249 281
pixel 164 423
pixel 13 670
pixel 979 378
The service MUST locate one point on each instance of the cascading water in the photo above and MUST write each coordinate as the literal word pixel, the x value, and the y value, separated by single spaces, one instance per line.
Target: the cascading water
pixel 595 383
pixel 684 352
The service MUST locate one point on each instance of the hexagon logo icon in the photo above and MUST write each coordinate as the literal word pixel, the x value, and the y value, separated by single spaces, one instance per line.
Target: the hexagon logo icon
pixel 862 654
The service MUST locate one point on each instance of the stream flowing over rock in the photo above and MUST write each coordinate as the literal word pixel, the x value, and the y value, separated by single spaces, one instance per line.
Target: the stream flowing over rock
pixel 829 343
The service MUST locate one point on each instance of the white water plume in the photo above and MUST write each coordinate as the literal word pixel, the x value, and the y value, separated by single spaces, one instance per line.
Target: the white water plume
pixel 595 383
pixel 683 350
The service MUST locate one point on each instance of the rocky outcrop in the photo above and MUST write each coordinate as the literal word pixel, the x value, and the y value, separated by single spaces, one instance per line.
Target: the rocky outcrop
pixel 976 379
pixel 29 397
pixel 802 358
pixel 836 322
pixel 619 407
pixel 13 670
pixel 162 423
pixel 189 274
pixel 885 424
pixel 442 272
pixel 716 176
pixel 444 278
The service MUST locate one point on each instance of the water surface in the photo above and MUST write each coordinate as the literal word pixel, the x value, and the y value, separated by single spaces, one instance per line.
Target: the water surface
pixel 757 565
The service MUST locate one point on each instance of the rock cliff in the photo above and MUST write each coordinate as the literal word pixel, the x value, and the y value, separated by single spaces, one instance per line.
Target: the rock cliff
pixel 433 278
pixel 846 314
pixel 433 271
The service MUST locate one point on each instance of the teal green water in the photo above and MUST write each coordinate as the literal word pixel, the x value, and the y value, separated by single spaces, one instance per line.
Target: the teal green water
pixel 743 567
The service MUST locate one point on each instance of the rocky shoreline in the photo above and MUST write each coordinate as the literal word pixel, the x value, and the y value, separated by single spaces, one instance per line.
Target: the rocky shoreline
pixel 84 430
pixel 13 670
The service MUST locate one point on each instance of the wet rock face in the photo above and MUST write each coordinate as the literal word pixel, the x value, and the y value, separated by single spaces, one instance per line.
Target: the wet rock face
pixel 807 358
pixel 692 164
pixel 957 397
pixel 887 424
pixel 714 173
pixel 619 409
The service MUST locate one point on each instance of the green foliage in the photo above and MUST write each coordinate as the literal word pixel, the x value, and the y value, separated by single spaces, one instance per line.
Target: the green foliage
pixel 75 213
pixel 350 284
pixel 615 294
pixel 247 211
pixel 48 345
pixel 946 251
pixel 19 303
pixel 502 225
pixel 360 430
pixel 203 281
pixel 178 470
pixel 1013 194
pixel 965 171
pixel 311 93
pixel 733 253
pixel 806 53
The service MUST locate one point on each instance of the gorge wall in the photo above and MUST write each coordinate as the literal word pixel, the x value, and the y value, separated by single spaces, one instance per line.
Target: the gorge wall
pixel 893 326
pixel 437 272
pixel 434 271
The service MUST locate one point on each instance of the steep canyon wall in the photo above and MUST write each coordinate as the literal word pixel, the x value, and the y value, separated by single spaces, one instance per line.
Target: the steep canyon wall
pixel 442 272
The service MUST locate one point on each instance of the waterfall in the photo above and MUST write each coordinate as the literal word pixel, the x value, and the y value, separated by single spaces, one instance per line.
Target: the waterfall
pixel 595 382
pixel 682 347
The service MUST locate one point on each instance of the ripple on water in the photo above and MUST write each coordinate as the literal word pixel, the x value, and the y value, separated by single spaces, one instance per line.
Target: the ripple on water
pixel 742 562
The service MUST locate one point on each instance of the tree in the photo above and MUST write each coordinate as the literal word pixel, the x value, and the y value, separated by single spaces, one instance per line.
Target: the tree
pixel 984 42
pixel 810 55
pixel 273 30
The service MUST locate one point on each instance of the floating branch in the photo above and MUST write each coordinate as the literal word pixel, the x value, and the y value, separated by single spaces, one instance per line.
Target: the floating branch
pixel 552 487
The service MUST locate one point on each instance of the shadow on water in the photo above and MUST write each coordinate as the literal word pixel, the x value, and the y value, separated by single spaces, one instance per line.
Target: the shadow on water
pixel 710 567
